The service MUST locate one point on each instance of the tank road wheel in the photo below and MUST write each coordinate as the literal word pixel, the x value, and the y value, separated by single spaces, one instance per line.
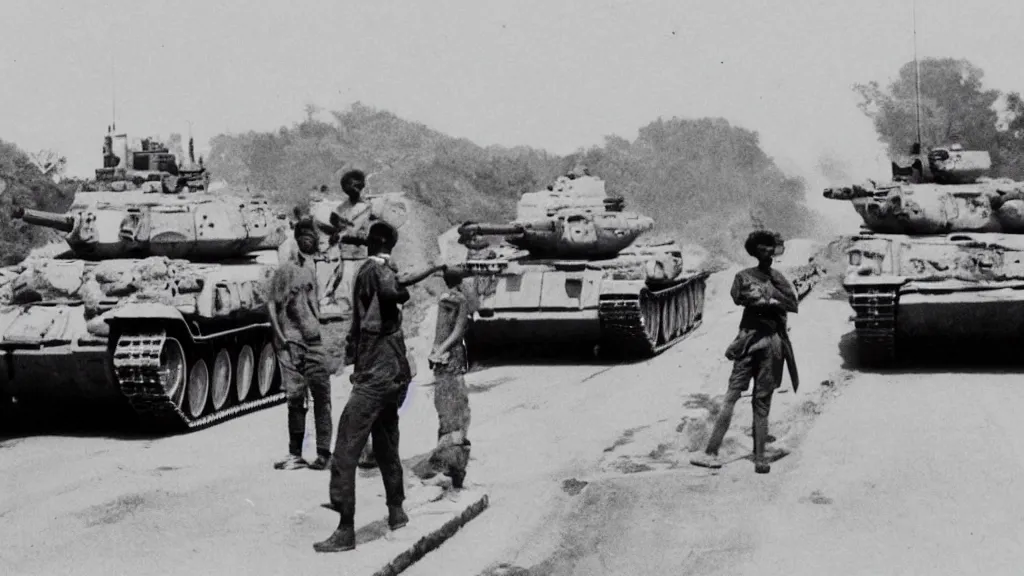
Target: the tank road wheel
pixel 172 370
pixel 244 368
pixel 220 384
pixel 198 388
pixel 266 369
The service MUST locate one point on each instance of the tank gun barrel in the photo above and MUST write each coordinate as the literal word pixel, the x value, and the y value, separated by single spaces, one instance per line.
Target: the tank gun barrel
pixel 476 229
pixel 849 193
pixel 59 222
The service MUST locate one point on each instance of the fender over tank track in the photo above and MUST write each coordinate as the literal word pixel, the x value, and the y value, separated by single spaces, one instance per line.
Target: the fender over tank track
pixel 625 327
pixel 136 363
pixel 874 322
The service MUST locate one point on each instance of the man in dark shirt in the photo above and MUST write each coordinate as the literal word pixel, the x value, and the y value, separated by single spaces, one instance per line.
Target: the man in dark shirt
pixel 760 349
pixel 380 381
pixel 294 308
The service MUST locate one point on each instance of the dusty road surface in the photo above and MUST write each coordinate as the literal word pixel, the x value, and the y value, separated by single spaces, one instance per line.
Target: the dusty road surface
pixel 909 472
pixel 209 502
pixel 635 421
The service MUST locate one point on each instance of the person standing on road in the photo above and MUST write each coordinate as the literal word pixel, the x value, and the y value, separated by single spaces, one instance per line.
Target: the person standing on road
pixel 761 347
pixel 349 221
pixel 380 382
pixel 294 307
pixel 451 399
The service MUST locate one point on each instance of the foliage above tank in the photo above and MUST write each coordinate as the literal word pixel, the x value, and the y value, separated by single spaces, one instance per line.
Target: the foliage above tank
pixel 955 108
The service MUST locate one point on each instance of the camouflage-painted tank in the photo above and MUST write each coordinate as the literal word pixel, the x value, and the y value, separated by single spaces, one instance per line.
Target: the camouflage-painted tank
pixel 571 267
pixel 160 303
pixel 940 253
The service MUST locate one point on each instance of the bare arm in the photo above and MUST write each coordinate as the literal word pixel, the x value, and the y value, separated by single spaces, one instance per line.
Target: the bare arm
pixel 417 277
pixel 278 334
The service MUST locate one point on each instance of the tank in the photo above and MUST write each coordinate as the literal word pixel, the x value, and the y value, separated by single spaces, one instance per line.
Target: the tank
pixel 575 267
pixel 939 254
pixel 158 305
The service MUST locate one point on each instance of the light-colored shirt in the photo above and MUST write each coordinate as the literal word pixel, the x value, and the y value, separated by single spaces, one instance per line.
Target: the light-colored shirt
pixel 357 216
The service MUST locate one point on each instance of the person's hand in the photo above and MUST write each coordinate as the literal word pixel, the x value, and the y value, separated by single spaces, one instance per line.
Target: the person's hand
pixel 437 357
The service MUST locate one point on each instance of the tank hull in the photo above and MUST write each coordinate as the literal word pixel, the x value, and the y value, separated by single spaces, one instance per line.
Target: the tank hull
pixel 955 287
pixel 607 303
pixel 217 340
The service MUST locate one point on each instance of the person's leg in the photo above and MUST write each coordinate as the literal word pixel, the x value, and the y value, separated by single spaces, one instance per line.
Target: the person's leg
pixel 739 380
pixel 451 399
pixel 294 385
pixel 319 382
pixel 385 448
pixel 353 429
pixel 769 365
pixel 761 403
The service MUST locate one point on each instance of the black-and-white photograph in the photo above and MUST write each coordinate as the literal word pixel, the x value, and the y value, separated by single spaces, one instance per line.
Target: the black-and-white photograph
pixel 519 288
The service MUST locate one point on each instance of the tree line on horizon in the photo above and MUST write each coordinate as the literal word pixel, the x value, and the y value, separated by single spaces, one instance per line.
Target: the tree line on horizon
pixel 703 179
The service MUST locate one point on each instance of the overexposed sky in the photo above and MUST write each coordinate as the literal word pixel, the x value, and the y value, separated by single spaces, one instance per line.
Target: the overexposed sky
pixel 553 74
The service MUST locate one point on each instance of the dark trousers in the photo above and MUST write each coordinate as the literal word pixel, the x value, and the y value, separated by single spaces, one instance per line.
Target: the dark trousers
pixel 765 368
pixel 304 374
pixel 365 413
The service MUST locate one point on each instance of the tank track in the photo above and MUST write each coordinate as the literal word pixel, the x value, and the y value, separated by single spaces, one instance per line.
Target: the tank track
pixel 136 367
pixel 875 324
pixel 625 327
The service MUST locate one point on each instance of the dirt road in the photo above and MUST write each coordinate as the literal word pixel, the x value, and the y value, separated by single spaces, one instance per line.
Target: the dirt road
pixel 915 472
pixel 210 502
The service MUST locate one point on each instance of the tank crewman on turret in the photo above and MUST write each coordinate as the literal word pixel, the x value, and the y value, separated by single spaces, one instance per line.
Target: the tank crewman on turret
pixel 760 349
pixel 380 382
pixel 294 307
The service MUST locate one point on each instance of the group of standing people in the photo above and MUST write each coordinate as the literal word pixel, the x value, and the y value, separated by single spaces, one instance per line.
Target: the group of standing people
pixel 365 281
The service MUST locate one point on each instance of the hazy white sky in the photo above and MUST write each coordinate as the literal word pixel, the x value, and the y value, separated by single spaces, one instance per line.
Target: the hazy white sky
pixel 554 74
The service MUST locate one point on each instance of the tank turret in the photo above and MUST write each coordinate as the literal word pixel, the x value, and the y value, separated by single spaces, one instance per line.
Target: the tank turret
pixel 573 219
pixel 198 229
pixel 944 191
pixel 574 235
